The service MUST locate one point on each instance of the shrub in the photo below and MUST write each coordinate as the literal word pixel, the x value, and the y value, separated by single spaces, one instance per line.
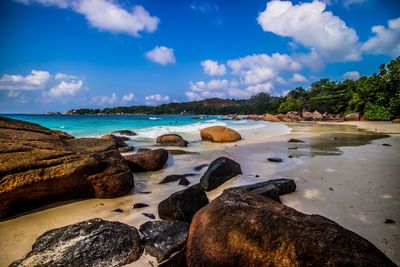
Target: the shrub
pixel 377 113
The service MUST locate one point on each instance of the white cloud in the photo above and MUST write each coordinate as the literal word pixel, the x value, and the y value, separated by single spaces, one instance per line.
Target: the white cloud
pixel 351 75
pixel 386 40
pixel 257 69
pixel 214 84
pixel 107 15
pixel 66 77
pixel 19 98
pixel 161 55
pixel 156 99
pixel 65 88
pixel 105 100
pixel 128 97
pixel 298 78
pixel 348 3
pixel 36 80
pixel 212 68
pixel 313 27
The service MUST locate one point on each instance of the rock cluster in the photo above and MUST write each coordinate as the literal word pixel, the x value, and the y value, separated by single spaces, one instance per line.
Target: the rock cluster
pixel 39 166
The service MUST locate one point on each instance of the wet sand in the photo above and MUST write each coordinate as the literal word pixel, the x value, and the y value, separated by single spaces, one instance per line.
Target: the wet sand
pixel 342 173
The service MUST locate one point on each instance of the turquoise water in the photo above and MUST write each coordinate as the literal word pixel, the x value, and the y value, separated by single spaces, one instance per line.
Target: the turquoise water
pixel 148 127
pixel 96 125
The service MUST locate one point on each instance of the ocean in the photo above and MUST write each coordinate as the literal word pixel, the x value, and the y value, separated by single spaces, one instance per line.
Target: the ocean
pixel 148 127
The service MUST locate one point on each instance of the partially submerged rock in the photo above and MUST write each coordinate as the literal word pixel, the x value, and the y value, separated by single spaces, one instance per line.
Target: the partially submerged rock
pixel 275 159
pixel 163 238
pixel 200 167
pixel 35 159
pixel 125 132
pixel 152 160
pixel 182 205
pixel 294 140
pixel 89 243
pixel 240 228
pixel 219 134
pixel 171 140
pixel 220 170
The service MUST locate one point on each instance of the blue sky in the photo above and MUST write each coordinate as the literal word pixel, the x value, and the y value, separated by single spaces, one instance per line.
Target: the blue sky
pixel 57 54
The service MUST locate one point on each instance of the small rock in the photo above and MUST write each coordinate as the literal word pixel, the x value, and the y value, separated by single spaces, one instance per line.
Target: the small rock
pixel 220 170
pixel 143 192
pixel 171 140
pixel 183 204
pixel 163 238
pixel 330 188
pixel 175 177
pixel 294 140
pixel 117 210
pixel 293 147
pixel 140 205
pixel 200 167
pixel 184 181
pixel 386 145
pixel 149 215
pixel 275 159
pixel 389 221
pixel 152 160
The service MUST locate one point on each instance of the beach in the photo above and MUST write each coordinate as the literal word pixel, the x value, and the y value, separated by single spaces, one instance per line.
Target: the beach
pixel 341 172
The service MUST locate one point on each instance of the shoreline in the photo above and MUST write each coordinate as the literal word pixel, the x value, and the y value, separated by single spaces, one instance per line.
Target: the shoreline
pixel 365 162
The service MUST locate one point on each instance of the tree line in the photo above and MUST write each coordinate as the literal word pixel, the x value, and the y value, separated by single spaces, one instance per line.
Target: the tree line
pixel 377 97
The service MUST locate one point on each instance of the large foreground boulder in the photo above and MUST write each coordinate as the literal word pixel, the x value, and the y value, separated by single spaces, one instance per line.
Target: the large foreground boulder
pixel 152 160
pixel 163 238
pixel 220 170
pixel 219 134
pixel 38 166
pixel 89 243
pixel 183 204
pixel 240 228
pixel 171 140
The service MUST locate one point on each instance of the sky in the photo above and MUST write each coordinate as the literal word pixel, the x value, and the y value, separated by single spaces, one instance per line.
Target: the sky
pixel 57 55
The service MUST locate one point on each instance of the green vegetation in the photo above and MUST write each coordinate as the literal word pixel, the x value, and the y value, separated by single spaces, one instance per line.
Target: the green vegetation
pixel 377 97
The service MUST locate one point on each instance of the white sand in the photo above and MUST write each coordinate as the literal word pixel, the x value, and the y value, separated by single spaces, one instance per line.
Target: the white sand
pixel 365 182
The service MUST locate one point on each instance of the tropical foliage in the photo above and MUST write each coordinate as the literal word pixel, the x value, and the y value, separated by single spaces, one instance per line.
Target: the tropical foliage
pixel 377 97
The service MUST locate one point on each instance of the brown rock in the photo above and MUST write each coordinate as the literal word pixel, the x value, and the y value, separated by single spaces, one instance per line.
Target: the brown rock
pixel 396 121
pixel 352 117
pixel 38 166
pixel 243 229
pixel 119 141
pixel 125 132
pixel 311 116
pixel 171 140
pixel 253 117
pixel 219 134
pixel 152 160
pixel 271 118
pixel 126 149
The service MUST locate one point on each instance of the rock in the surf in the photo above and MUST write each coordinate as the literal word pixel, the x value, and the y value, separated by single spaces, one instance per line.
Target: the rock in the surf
pixel 119 141
pixel 219 134
pixel 171 140
pixel 152 160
